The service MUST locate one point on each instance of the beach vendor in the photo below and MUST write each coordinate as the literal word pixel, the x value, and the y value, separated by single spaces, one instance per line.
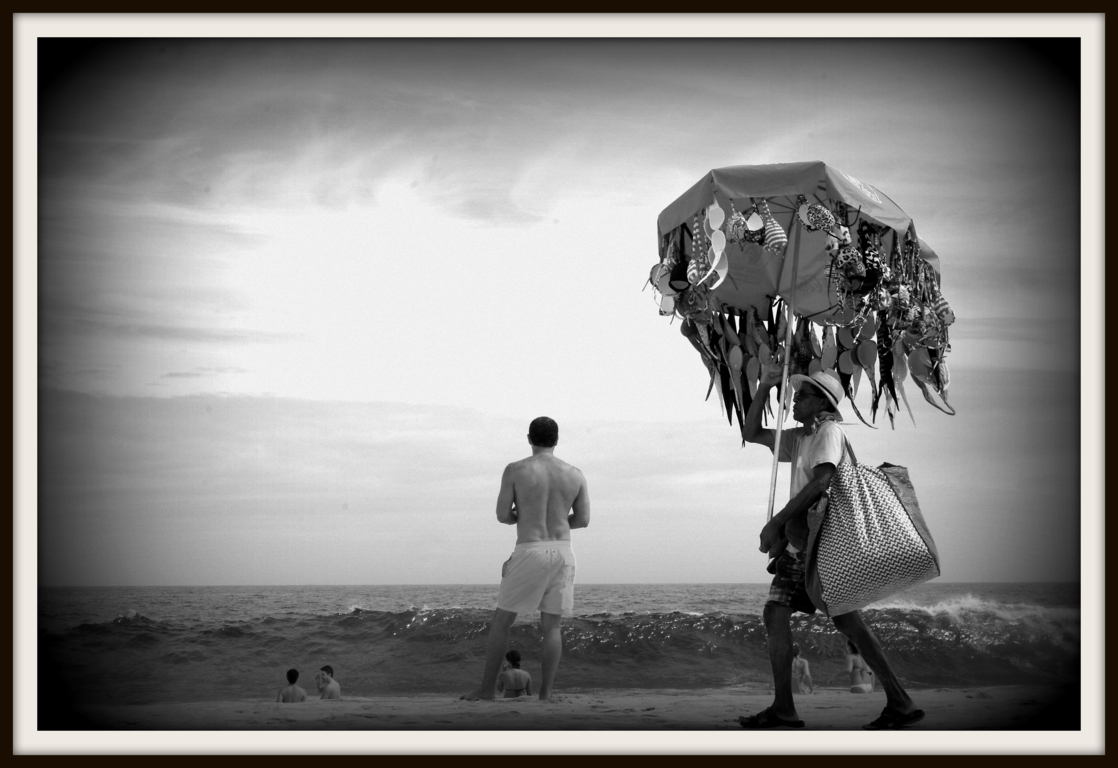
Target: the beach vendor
pixel 544 497
pixel 815 450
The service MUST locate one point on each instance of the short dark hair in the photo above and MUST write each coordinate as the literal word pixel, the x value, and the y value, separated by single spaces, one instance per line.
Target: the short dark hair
pixel 292 675
pixel 852 648
pixel 328 670
pixel 795 649
pixel 543 432
pixel 513 657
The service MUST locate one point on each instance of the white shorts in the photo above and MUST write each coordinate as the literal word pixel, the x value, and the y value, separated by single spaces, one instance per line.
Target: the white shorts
pixel 540 575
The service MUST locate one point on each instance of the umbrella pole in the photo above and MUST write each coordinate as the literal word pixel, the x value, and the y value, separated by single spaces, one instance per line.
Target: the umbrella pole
pixel 787 359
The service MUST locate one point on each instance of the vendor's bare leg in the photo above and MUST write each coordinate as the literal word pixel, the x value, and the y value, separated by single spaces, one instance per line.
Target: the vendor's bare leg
pixel 778 628
pixel 494 651
pixel 550 625
pixel 856 630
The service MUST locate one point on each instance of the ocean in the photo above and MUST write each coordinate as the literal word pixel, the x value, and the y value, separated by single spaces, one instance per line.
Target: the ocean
pixel 143 645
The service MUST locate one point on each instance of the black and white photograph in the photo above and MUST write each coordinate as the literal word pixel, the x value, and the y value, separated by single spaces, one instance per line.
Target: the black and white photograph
pixel 717 384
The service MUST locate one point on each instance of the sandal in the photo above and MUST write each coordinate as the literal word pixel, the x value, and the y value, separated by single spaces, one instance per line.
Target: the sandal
pixel 891 719
pixel 766 719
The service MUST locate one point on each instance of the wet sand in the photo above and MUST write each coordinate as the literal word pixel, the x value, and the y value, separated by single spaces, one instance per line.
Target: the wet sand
pixel 630 720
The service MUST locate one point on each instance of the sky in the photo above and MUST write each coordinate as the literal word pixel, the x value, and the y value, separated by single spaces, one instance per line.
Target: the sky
pixel 299 299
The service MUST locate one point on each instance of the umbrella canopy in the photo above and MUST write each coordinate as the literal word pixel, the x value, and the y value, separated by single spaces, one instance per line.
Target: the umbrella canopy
pixel 754 257
pixel 756 274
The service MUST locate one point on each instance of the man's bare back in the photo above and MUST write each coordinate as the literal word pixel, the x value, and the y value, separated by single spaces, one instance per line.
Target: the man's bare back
pixel 291 694
pixel 545 497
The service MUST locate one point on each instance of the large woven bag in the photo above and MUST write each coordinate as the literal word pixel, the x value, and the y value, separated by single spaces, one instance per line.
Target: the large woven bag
pixel 867 539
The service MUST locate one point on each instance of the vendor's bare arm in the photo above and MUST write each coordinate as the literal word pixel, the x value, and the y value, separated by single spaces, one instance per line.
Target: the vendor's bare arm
pixel 506 499
pixel 752 431
pixel 580 509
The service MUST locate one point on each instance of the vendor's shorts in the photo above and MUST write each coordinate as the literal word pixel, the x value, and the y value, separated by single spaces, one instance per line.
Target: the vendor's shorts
pixel 540 575
pixel 789 587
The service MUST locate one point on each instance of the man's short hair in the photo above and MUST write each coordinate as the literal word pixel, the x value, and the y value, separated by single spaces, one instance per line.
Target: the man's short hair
pixel 328 670
pixel 292 676
pixel 513 658
pixel 795 649
pixel 543 432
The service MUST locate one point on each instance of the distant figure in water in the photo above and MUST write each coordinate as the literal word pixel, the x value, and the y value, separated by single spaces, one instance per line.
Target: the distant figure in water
pixel 861 676
pixel 291 693
pixel 801 673
pixel 513 680
pixel 327 684
pixel 544 497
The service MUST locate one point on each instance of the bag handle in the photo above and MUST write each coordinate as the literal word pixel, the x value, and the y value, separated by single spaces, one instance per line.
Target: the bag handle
pixel 848 446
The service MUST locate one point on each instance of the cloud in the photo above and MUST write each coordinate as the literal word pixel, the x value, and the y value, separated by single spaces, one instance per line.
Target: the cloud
pixel 201 373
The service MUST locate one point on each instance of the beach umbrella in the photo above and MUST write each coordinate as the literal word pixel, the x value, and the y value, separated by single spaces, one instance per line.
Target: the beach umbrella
pixel 803 265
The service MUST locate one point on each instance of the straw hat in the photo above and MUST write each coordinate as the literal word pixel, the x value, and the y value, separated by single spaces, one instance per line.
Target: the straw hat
pixel 823 381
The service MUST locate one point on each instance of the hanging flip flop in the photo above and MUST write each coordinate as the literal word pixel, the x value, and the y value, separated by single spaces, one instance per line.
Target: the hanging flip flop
pixel 845 380
pixel 866 355
pixel 900 373
pixel 813 340
pixel 919 366
pixel 943 378
pixel 749 336
pixel 760 333
pixel 726 393
pixel 752 374
pixel 729 331
pixel 882 351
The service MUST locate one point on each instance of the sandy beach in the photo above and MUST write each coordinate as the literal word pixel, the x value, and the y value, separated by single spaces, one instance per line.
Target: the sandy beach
pixel 987 708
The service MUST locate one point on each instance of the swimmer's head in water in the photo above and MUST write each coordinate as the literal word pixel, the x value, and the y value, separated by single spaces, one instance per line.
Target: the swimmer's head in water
pixel 513 658
pixel 328 670
pixel 543 432
pixel 292 675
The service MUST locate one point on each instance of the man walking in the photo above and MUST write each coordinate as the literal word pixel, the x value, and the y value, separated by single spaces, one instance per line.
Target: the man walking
pixel 815 450
pixel 545 498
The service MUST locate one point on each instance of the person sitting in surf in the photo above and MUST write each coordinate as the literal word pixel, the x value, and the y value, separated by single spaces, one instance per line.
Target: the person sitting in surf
pixel 327 684
pixel 513 680
pixel 861 676
pixel 801 672
pixel 291 693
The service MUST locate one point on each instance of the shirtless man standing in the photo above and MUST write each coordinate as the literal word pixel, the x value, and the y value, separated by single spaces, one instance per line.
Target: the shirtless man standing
pixel 545 498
